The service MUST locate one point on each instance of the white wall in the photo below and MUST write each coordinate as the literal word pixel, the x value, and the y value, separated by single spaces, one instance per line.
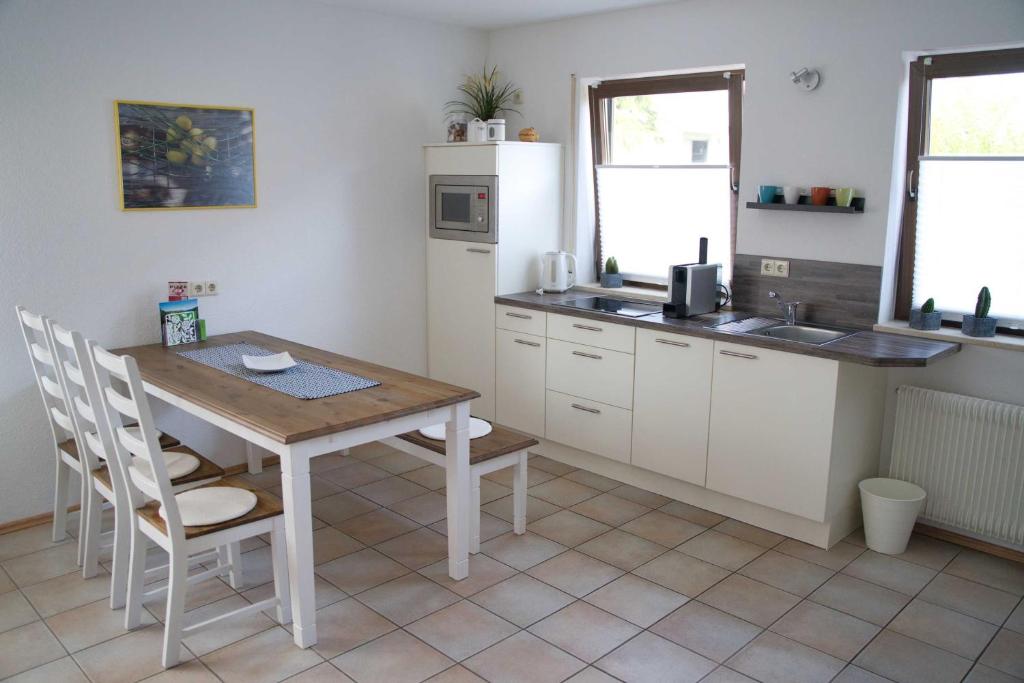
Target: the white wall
pixel 335 254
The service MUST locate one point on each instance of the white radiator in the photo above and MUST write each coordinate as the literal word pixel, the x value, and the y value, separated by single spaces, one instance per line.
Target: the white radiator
pixel 968 455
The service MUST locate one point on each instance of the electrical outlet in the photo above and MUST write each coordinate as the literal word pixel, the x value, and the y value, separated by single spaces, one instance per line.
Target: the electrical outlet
pixel 781 270
pixel 196 288
pixel 211 287
pixel 767 266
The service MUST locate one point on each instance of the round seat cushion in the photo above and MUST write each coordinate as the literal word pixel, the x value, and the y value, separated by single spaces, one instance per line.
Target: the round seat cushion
pixel 178 465
pixel 212 505
pixel 477 428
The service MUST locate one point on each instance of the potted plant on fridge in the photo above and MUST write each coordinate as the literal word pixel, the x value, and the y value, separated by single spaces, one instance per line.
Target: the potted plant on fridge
pixel 611 278
pixel 980 324
pixel 926 317
pixel 483 100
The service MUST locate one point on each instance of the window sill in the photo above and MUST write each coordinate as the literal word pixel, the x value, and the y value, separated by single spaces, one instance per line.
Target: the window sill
pixel 1000 341
pixel 638 293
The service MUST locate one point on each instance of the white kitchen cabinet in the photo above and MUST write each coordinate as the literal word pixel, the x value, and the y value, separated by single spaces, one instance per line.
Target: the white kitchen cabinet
pixel 523 320
pixel 771 428
pixel 591 372
pixel 671 404
pixel 519 384
pixel 589 425
pixel 591 332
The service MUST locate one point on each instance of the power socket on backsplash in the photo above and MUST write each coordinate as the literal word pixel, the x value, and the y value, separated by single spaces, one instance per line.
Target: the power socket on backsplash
pixel 774 267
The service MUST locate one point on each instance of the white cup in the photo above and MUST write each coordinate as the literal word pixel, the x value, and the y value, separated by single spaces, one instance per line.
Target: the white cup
pixel 791 194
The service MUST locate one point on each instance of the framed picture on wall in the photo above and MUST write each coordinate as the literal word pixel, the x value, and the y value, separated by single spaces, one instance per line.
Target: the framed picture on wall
pixel 184 156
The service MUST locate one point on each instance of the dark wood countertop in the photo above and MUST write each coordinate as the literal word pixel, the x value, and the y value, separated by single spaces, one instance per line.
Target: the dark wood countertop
pixel 864 347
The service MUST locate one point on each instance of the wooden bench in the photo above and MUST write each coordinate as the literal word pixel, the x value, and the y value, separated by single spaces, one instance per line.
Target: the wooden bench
pixel 500 449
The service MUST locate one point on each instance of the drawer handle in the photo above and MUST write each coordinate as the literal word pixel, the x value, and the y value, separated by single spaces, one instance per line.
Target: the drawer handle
pixel 521 316
pixel 588 328
pixel 737 354
pixel 527 343
pixel 586 355
pixel 673 343
pixel 585 409
pixel 474 250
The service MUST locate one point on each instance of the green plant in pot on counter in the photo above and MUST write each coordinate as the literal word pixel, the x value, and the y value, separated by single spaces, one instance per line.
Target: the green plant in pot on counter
pixel 926 317
pixel 980 324
pixel 611 278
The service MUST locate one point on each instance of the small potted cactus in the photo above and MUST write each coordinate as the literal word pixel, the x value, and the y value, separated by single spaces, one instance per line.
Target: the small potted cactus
pixel 980 324
pixel 926 317
pixel 611 278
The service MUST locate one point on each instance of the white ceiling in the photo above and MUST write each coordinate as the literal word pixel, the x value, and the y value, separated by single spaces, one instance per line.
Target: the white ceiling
pixel 491 14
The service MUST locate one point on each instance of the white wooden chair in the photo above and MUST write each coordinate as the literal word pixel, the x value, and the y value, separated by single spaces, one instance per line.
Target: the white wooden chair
pixel 103 483
pixel 184 524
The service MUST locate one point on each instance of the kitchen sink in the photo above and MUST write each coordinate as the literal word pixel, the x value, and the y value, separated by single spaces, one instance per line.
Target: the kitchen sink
pixel 806 334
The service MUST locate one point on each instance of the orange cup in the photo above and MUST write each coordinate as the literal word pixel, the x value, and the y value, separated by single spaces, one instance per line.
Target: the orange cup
pixel 820 195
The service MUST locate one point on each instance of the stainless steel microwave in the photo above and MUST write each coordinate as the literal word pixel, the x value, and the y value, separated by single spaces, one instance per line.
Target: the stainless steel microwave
pixel 464 207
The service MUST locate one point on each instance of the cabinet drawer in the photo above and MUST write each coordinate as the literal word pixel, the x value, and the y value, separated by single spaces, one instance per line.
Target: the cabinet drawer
pixel 589 425
pixel 520 320
pixel 591 372
pixel 519 387
pixel 591 332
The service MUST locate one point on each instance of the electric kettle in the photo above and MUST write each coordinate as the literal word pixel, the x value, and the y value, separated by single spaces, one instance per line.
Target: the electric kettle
pixel 556 273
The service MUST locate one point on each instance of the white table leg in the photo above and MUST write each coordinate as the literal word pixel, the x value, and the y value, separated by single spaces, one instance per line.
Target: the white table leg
pixel 458 490
pixel 298 523
pixel 254 458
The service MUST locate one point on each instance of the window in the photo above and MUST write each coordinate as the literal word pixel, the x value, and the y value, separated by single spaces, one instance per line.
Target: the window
pixel 666 151
pixel 962 226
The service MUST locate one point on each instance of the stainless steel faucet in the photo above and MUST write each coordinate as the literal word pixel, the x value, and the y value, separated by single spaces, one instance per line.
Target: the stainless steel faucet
pixel 788 307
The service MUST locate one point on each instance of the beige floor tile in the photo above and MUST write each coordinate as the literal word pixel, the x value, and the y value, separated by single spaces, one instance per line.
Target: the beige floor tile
pixel 636 600
pixel 522 600
pixel 484 572
pixel 621 550
pixel 1016 620
pixel 857 538
pixel 986 674
pixel 835 558
pixel 773 659
pixel 568 528
pixel 27 647
pixel 90 624
pixel 692 513
pixel 861 599
pixel 318 488
pixel 594 481
pixel 726 551
pixel 745 598
pixel 397 658
pixel 321 673
pixel 534 476
pixel 855 674
pixel 354 474
pixel 563 492
pixel 826 629
pixel 327 462
pixel 724 674
pixel 326 594
pixel 610 509
pixel 127 658
pixel 416 549
pixel 641 496
pixel 431 477
pixel 552 466
pixel 788 573
pixel 584 631
pixel 408 598
pixel 391 490
pixel 346 625
pixel 226 632
pixel 905 577
pixel 426 509
pixel 456 674
pixel 398 462
pixel 361 570
pixel 43 564
pixel 377 526
pixel 929 552
pixel 682 573
pixel 591 675
pixel 749 532
pixel 521 552
pixel 651 658
pixel 905 659
pixel 663 529
pixel 15 611
pixel 370 451
pixel 341 506
pixel 330 544
pixel 706 630
pixel 523 657
pixel 1006 653
pixel 257 567
pixel 58 671
pixel 491 491
pixel 66 592
pixel 535 508
pixel 267 656
pixel 575 573
pixel 958 633
pixel 461 630
pixel 30 540
pixel 196 596
pixel 990 570
pixel 270 476
pixel 6 584
pixel 490 527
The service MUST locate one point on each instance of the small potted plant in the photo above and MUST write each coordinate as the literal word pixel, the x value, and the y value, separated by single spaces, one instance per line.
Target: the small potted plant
pixel 926 317
pixel 611 278
pixel 980 324
pixel 484 98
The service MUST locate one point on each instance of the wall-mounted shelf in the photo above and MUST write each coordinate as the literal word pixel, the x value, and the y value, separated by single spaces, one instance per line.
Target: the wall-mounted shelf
pixel 804 204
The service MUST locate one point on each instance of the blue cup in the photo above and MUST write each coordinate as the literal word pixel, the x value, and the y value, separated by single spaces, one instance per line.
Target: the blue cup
pixel 766 193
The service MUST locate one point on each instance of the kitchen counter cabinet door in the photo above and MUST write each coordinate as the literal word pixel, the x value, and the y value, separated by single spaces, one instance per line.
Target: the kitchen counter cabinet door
pixel 770 438
pixel 520 390
pixel 671 404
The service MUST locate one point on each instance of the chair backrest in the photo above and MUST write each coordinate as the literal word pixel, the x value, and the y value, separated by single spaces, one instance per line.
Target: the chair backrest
pixel 143 443
pixel 40 353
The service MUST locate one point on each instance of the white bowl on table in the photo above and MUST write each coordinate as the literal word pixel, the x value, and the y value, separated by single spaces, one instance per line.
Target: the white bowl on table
pixel 277 362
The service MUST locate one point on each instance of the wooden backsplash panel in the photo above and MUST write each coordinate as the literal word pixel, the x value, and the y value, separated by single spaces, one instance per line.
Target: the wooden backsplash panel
pixel 832 293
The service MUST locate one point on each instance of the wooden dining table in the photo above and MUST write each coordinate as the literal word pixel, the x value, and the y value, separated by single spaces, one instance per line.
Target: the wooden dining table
pixel 299 430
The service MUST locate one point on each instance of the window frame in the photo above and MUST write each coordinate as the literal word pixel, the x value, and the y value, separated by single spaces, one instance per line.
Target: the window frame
pixel 922 71
pixel 600 96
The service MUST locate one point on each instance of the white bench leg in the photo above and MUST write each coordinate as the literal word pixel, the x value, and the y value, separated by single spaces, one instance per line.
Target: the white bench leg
pixel 253 458
pixel 474 515
pixel 280 559
pixel 519 495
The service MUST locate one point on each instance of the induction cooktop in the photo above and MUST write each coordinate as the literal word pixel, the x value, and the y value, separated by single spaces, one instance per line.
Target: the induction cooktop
pixel 603 304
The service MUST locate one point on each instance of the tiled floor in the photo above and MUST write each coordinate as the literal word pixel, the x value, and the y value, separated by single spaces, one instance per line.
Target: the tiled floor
pixel 610 583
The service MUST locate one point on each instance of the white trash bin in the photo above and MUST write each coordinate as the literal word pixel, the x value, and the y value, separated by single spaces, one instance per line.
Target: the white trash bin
pixel 890 508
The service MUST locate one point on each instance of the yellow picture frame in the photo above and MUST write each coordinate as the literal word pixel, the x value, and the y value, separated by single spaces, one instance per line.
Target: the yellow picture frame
pixel 173 157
